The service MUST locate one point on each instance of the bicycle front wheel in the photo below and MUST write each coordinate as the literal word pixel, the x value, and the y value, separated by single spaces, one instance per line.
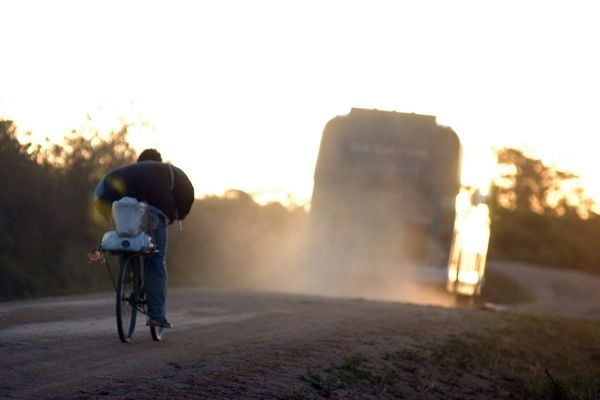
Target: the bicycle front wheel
pixel 128 293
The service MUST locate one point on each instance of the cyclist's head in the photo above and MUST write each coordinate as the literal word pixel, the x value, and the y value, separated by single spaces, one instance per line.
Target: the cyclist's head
pixel 150 155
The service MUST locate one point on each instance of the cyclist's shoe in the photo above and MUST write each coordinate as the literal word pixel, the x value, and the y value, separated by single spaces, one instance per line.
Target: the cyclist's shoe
pixel 159 323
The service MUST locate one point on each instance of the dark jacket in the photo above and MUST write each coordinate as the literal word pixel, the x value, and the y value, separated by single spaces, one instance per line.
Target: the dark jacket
pixel 161 185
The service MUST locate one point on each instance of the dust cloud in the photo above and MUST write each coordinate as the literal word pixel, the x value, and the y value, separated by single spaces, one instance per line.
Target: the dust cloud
pixel 233 242
pixel 291 268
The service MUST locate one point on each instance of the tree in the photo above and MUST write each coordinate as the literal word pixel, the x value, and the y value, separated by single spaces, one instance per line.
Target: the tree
pixel 542 215
pixel 46 224
pixel 527 184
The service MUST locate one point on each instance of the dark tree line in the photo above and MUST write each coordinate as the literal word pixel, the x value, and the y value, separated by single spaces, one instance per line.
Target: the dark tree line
pixel 47 223
pixel 541 215
pixel 46 216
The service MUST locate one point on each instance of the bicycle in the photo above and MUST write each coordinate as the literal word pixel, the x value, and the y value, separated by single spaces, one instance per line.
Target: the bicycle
pixel 131 298
pixel 131 242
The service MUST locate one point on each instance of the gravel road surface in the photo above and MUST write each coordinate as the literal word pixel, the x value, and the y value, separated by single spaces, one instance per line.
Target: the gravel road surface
pixel 243 344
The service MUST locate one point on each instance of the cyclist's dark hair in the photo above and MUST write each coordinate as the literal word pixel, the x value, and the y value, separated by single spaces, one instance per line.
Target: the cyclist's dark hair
pixel 150 155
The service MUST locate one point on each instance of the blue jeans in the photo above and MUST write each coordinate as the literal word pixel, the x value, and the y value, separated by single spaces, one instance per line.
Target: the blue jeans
pixel 155 268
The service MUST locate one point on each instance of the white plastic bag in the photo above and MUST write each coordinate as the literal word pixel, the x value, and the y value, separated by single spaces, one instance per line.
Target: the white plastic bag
pixel 129 215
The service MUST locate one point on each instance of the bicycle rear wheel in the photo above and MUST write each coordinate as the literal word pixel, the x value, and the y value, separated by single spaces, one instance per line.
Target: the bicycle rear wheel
pixel 128 293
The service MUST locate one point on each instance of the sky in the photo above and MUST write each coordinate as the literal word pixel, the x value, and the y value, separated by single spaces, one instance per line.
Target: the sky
pixel 237 93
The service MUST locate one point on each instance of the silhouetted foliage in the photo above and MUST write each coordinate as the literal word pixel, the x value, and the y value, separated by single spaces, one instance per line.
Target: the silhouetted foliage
pixel 530 185
pixel 45 211
pixel 47 224
pixel 541 215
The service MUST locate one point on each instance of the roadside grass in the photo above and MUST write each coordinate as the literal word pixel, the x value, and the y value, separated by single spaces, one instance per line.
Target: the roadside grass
pixel 518 355
pixel 558 357
pixel 352 372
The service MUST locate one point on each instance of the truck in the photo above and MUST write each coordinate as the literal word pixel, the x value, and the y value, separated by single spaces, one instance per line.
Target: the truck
pixel 384 203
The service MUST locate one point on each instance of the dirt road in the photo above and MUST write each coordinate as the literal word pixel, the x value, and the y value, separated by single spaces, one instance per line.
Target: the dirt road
pixel 256 345
pixel 555 291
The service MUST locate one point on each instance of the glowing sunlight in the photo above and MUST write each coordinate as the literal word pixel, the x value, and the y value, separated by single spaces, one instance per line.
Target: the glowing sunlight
pixel 238 94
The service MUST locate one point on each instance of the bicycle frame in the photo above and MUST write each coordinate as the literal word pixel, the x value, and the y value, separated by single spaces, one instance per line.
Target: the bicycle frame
pixel 130 290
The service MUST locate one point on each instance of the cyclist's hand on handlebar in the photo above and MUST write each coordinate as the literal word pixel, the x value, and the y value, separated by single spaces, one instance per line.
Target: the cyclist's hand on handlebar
pixel 94 255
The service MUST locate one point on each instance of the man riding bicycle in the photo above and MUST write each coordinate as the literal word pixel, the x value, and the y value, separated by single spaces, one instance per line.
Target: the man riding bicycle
pixel 169 195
